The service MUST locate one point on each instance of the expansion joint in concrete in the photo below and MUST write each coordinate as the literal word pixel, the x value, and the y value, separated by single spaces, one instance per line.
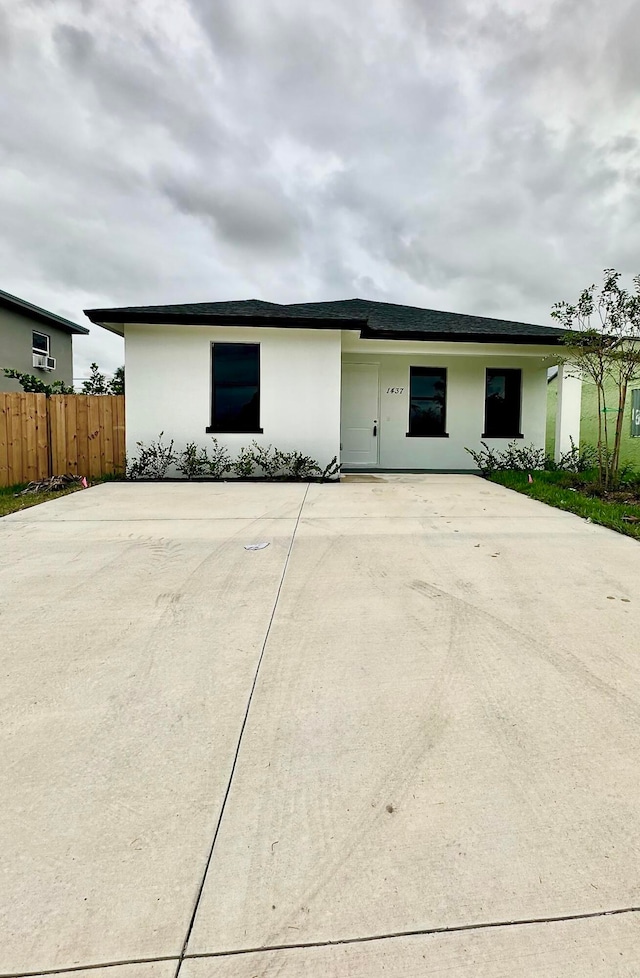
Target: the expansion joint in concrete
pixel 302 945
pixel 240 738
pixel 423 932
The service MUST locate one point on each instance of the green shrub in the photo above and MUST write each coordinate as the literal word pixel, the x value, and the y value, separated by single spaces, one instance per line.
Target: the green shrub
pixel 274 463
pixel 192 461
pixel 295 465
pixel 528 458
pixel 33 385
pixel 218 463
pixel 577 459
pixel 151 461
pixel 244 464
pixel 487 459
pixel 331 470
pixel 266 459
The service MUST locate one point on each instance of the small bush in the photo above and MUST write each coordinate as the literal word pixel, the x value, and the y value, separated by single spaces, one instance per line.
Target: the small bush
pixel 295 465
pixel 33 385
pixel 523 458
pixel 218 463
pixel 528 458
pixel 577 459
pixel 331 470
pixel 487 459
pixel 274 463
pixel 192 462
pixel 244 464
pixel 151 461
pixel 629 478
pixel 266 459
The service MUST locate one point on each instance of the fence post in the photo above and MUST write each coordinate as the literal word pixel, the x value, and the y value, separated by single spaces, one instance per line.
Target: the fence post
pixel 49 438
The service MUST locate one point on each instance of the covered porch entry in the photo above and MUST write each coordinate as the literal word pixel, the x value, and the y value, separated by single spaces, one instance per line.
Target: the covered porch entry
pixel 420 410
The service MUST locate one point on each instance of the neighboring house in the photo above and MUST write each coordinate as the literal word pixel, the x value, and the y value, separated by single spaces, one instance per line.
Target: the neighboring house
pixel 34 341
pixel 381 386
pixel 630 444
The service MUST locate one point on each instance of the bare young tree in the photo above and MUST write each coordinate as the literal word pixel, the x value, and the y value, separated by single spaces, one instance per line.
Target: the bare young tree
pixel 603 334
pixel 97 383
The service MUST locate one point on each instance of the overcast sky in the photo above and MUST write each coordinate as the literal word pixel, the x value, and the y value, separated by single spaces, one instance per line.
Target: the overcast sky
pixel 471 156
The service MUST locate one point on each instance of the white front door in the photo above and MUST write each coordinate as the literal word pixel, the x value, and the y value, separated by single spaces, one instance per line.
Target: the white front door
pixel 359 415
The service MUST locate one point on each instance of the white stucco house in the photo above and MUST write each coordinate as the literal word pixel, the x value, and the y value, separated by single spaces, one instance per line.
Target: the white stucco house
pixel 379 385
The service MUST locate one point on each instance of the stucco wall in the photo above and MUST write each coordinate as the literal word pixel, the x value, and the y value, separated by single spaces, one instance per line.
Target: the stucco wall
pixel 169 387
pixel 465 407
pixel 630 447
pixel 16 350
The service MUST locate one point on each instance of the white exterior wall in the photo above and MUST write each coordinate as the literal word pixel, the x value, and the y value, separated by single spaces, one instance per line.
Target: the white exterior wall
pixel 169 390
pixel 169 387
pixel 465 401
pixel 568 410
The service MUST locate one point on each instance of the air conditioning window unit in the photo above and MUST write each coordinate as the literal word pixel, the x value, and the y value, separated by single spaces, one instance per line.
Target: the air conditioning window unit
pixel 40 360
pixel 51 363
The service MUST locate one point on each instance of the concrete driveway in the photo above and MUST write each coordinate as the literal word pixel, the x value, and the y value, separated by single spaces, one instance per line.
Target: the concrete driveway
pixel 403 739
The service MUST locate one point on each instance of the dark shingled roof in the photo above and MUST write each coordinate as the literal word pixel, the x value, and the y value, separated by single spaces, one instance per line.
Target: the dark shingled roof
pixel 374 320
pixel 37 314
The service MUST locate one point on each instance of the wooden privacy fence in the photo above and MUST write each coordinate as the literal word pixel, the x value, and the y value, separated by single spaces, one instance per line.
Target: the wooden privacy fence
pixel 66 434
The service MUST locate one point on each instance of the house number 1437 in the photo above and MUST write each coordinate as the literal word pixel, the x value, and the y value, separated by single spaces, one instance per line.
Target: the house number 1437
pixel 395 390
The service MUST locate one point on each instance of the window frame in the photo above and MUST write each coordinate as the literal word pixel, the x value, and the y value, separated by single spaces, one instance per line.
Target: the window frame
pixel 635 400
pixel 517 433
pixel 213 427
pixel 435 370
pixel 36 352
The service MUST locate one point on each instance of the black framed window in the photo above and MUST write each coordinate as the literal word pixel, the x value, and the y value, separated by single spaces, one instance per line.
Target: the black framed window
pixel 40 343
pixel 235 400
pixel 427 402
pixel 502 403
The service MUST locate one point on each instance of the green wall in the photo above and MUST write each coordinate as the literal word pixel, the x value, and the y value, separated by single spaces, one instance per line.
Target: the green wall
pixel 630 448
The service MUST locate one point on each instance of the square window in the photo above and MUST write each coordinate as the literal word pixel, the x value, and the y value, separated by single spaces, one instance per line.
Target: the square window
pixel 502 403
pixel 40 343
pixel 235 401
pixel 427 402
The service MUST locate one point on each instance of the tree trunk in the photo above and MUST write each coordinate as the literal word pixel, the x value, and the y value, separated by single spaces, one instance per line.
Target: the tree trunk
pixel 622 399
pixel 601 465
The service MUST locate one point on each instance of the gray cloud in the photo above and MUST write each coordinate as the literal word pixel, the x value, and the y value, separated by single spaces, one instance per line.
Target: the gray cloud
pixel 252 217
pixel 6 47
pixel 472 157
pixel 76 46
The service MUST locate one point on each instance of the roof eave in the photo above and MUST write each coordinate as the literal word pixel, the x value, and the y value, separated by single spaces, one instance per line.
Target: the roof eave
pixel 24 308
pixel 117 328
pixel 111 318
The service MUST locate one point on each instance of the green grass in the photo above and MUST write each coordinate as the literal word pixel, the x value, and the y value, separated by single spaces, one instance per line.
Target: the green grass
pixel 566 491
pixel 10 504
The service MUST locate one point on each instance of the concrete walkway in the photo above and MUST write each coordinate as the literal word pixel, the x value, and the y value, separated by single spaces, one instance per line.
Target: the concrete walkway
pixel 416 711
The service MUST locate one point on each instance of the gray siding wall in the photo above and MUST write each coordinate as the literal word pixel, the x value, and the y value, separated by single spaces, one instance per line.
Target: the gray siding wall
pixel 16 349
